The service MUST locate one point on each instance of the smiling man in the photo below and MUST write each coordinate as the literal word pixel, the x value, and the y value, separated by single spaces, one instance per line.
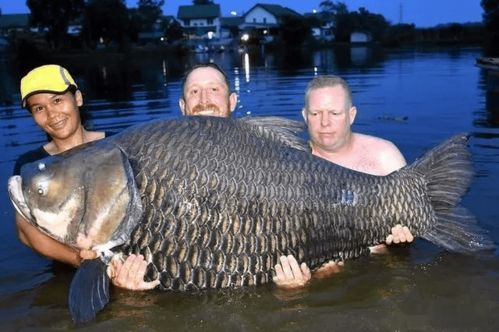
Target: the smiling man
pixel 53 99
pixel 206 91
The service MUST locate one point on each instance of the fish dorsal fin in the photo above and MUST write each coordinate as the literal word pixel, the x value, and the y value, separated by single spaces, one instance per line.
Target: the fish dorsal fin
pixel 280 129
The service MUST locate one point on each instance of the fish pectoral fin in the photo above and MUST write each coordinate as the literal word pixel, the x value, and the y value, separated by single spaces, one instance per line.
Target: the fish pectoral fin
pixel 89 290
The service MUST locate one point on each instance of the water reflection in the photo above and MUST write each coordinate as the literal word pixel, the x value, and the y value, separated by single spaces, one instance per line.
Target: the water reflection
pixel 489 83
pixel 359 55
pixel 247 68
pixel 415 98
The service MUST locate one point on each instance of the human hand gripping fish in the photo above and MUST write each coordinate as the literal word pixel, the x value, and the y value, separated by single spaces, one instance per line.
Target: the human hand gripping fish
pixel 213 203
pixel 128 274
pixel 291 275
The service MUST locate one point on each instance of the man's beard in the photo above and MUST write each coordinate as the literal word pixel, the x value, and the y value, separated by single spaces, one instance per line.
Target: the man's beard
pixel 213 108
pixel 207 107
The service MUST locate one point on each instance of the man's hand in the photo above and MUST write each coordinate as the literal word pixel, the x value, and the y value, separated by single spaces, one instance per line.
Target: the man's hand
pixel 399 235
pixel 87 254
pixel 290 275
pixel 130 274
pixel 328 268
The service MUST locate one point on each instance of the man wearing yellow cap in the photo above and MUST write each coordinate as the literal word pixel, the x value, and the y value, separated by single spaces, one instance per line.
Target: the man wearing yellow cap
pixel 53 99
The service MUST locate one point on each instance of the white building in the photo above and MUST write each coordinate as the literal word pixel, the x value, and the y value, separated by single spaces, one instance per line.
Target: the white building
pixel 200 21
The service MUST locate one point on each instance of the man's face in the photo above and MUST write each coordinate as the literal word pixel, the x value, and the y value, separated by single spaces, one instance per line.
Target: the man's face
pixel 328 118
pixel 206 93
pixel 56 114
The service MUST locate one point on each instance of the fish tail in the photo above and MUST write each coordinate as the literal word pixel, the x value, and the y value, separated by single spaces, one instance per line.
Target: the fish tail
pixel 448 171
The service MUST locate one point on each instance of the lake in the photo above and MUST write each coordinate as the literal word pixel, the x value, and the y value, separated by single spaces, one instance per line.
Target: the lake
pixel 413 97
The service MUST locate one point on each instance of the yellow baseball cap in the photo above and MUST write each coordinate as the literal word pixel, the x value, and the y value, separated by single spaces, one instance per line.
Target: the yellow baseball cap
pixel 48 78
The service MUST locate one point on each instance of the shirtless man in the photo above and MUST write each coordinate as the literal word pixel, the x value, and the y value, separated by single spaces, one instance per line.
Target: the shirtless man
pixel 329 115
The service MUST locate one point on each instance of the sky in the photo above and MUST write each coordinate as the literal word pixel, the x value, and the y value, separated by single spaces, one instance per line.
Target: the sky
pixel 422 13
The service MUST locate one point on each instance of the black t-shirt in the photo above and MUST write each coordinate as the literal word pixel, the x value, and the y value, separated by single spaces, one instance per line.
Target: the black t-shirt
pixel 36 154
pixel 29 157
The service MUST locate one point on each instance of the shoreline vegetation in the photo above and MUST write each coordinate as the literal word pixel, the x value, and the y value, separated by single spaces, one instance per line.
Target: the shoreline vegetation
pixel 100 28
pixel 35 49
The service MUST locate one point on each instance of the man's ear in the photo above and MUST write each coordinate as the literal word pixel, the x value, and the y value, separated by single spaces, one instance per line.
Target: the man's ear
pixel 352 113
pixel 78 98
pixel 232 101
pixel 304 114
pixel 181 104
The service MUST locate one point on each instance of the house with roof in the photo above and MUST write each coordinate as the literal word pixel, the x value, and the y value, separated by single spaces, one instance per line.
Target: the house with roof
pixel 200 21
pixel 322 26
pixel 360 37
pixel 229 27
pixel 265 18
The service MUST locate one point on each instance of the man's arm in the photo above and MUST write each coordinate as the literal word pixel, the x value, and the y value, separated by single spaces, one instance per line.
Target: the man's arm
pixel 45 245
pixel 129 274
pixel 291 275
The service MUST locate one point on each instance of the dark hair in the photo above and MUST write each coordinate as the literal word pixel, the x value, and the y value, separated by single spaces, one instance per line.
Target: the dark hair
pixel 71 88
pixel 204 65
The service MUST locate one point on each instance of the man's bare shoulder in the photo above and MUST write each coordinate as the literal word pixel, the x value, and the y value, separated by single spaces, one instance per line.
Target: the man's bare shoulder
pixel 388 156
pixel 375 142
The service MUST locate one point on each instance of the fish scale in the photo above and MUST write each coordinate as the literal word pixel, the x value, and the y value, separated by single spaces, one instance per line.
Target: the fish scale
pixel 213 203
pixel 250 182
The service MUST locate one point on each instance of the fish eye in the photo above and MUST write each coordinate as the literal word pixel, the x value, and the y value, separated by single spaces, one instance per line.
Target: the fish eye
pixel 42 189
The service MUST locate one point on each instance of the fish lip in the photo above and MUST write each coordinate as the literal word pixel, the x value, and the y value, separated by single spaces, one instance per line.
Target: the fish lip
pixel 17 198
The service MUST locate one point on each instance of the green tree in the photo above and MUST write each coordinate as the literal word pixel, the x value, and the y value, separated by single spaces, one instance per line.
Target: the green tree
pixel 343 27
pixel 491 23
pixel 339 15
pixel 294 30
pixel 399 34
pixel 330 8
pixel 361 20
pixel 375 24
pixel 55 16
pixel 149 12
pixel 173 31
pixel 105 22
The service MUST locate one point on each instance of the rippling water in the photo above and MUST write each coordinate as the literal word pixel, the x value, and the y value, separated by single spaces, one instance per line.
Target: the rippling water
pixel 416 98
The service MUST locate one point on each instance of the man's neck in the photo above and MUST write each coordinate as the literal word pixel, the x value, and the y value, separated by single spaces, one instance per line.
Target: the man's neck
pixel 60 145
pixel 334 153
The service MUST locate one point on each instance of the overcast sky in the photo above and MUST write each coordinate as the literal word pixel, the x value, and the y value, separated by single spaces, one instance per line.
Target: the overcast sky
pixel 423 13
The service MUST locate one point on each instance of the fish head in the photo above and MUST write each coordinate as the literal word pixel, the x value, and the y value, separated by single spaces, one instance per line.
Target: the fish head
pixel 85 197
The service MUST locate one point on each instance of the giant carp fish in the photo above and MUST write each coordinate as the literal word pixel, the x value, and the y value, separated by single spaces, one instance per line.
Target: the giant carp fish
pixel 214 203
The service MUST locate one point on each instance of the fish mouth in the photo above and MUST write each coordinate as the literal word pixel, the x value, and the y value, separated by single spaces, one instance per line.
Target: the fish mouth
pixel 17 198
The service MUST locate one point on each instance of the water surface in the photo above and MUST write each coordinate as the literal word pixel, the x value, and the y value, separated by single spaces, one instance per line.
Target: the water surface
pixel 415 98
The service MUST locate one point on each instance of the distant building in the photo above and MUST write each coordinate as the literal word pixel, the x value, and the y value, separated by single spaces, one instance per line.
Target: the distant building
pixel 322 26
pixel 14 23
pixel 229 26
pixel 266 19
pixel 360 37
pixel 200 21
pixel 157 33
pixel 20 23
